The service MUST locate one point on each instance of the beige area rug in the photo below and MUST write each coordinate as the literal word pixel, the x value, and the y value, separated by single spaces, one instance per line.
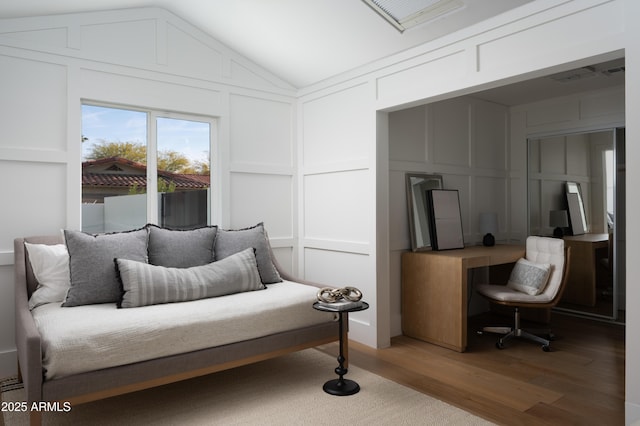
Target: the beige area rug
pixel 281 391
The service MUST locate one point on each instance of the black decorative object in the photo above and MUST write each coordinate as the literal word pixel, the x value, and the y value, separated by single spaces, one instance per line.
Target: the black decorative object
pixel 558 219
pixel 488 226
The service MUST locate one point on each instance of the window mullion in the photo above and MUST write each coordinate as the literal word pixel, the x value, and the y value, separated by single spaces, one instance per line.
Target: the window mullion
pixel 152 168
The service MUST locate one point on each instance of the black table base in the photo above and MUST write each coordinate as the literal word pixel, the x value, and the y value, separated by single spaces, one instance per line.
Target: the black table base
pixel 341 386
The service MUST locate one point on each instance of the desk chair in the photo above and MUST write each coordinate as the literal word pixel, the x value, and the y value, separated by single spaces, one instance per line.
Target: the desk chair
pixel 529 277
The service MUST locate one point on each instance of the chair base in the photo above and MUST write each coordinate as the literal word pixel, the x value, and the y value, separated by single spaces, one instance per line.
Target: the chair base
pixel 516 331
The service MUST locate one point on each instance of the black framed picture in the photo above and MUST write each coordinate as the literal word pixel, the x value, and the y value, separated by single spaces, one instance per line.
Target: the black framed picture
pixel 446 219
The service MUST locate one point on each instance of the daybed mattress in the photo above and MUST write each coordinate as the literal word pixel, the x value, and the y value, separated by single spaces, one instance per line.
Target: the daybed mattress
pixel 86 338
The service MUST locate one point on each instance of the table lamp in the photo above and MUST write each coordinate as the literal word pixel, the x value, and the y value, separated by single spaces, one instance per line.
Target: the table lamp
pixel 558 219
pixel 488 226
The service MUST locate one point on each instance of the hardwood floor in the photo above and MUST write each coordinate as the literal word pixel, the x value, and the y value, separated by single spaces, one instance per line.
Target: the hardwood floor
pixel 580 382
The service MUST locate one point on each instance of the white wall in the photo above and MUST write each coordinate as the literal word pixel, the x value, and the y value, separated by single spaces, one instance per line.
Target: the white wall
pixel 337 196
pixel 632 151
pixel 138 57
pixel 537 39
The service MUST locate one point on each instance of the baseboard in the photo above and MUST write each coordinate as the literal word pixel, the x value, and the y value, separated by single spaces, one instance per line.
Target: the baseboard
pixel 8 364
pixel 632 414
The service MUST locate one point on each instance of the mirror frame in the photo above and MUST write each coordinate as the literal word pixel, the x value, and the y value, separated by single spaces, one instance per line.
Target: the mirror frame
pixel 417 184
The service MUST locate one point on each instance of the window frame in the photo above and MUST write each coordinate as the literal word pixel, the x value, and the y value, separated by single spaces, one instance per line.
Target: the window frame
pixel 152 116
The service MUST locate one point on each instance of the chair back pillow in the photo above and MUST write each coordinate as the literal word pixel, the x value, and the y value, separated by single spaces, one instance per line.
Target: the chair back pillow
pixel 529 277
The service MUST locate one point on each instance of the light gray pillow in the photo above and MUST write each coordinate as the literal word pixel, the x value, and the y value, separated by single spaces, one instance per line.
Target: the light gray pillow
pixel 146 284
pixel 93 274
pixel 529 277
pixel 50 264
pixel 181 249
pixel 229 242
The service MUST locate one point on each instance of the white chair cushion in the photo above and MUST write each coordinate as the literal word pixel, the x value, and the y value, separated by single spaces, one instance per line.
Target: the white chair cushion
pixel 506 294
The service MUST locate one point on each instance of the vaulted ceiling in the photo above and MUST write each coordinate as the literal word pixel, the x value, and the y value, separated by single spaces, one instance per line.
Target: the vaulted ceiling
pixel 301 41
pixel 307 41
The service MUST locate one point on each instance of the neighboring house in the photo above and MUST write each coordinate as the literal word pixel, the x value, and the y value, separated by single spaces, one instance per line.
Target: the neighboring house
pixel 118 176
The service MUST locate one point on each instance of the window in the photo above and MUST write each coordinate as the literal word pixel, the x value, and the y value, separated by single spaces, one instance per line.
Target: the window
pixel 144 166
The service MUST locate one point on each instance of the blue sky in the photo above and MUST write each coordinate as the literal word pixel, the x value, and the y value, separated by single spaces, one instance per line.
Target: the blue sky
pixel 191 138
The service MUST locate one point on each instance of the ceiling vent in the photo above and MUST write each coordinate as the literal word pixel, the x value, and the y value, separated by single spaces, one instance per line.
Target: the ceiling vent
pixel 574 75
pixel 607 69
pixel 404 14
pixel 615 70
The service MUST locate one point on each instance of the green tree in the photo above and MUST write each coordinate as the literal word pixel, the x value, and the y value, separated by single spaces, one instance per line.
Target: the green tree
pixel 197 168
pixel 172 161
pixel 130 150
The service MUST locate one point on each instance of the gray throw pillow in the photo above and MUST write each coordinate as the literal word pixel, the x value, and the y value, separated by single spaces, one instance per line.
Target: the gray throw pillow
pixel 93 274
pixel 146 284
pixel 181 249
pixel 229 242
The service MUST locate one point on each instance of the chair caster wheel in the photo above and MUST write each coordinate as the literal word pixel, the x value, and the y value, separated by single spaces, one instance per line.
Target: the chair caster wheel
pixel 546 348
pixel 499 345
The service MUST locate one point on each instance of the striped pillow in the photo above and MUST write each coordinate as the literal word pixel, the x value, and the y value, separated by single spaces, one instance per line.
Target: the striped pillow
pixel 146 284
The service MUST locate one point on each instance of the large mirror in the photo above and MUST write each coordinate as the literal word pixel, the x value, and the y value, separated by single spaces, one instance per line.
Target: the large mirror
pixel 581 176
pixel 417 186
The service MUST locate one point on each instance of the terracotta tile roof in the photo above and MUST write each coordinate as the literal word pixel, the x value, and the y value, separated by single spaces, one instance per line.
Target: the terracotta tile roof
pixel 120 179
pixel 206 179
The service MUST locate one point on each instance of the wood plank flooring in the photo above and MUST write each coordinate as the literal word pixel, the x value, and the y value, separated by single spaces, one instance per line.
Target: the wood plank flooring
pixel 580 382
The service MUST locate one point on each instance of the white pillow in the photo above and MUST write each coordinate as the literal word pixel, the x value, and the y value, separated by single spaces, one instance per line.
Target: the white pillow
pixel 50 264
pixel 529 277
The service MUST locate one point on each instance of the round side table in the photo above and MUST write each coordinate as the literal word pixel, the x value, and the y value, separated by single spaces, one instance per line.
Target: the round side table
pixel 341 386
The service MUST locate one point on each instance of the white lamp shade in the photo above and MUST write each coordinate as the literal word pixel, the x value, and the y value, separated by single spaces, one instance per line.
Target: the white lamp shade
pixel 488 223
pixel 558 219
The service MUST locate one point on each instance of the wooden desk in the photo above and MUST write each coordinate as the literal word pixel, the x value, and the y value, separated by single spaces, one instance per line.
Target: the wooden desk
pixel 581 282
pixel 434 291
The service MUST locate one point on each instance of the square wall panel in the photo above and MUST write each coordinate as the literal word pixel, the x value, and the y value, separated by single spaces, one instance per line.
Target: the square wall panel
pixel 490 196
pixel 407 137
pixel 338 206
pixel 284 257
pixel 449 132
pixel 490 135
pixel 132 42
pixel 553 155
pixel 33 104
pixel 262 198
pixel 333 127
pixel 261 131
pixel 39 190
pixel 339 269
